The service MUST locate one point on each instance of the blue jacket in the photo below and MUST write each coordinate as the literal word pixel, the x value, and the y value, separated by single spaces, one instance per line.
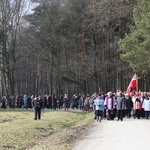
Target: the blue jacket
pixel 99 104
pixel 25 99
pixel 65 102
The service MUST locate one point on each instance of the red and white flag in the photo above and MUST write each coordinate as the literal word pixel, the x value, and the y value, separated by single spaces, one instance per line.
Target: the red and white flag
pixel 133 84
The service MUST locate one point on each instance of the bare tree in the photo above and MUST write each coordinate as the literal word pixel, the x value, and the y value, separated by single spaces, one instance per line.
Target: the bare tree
pixel 11 13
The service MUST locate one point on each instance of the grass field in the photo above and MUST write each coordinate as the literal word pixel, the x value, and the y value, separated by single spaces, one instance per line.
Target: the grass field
pixel 55 130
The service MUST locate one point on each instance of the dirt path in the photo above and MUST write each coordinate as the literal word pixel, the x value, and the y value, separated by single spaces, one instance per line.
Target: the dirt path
pixel 132 134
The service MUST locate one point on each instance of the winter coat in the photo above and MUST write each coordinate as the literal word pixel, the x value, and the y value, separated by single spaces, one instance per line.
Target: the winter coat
pixel 86 103
pixel 120 103
pixel 91 103
pixel 129 103
pixel 37 103
pixel 80 102
pixel 25 99
pixel 65 102
pixel 99 104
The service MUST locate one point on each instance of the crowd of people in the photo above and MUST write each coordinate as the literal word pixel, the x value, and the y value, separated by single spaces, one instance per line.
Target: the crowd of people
pixel 37 102
pixel 105 106
pixel 24 102
pixel 111 105
pixel 120 105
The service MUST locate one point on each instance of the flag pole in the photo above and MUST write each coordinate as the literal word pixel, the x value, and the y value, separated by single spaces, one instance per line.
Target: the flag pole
pixel 137 82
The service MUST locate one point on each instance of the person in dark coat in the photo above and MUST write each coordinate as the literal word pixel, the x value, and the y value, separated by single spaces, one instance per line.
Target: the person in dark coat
pixel 61 100
pixel 37 105
pixel 129 105
pixel 4 102
pixel 120 104
pixel 29 102
pixel 49 102
pixel 45 101
pixel 142 97
pixel 12 102
pixel 58 103
pixel 54 102
pixel 18 99
pixel 73 101
pixel 65 102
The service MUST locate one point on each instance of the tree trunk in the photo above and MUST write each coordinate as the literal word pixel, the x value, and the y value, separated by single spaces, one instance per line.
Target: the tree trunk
pixel 83 63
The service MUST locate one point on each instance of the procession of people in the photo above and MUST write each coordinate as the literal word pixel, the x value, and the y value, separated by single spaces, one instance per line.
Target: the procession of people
pixel 104 106
pixel 116 105
pixel 121 105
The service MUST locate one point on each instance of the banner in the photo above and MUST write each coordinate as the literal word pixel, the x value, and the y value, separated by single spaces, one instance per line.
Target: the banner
pixel 133 84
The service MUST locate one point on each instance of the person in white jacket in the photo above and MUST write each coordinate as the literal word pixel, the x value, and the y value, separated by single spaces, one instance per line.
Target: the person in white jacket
pixel 146 106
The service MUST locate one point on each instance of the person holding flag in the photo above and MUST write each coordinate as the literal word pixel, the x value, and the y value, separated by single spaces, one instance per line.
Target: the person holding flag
pixel 137 105
pixel 135 99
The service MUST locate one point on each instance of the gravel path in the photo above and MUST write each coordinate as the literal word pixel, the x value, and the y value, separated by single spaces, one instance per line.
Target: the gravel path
pixel 129 134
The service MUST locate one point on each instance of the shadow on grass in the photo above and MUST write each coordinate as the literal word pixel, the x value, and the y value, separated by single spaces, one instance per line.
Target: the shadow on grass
pixel 67 124
pixel 45 129
pixel 5 120
pixel 9 147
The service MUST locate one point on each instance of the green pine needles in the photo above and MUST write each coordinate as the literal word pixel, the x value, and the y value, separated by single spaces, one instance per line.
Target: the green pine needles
pixel 136 45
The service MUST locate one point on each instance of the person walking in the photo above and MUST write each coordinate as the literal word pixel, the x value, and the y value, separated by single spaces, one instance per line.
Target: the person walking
pixel 146 106
pixel 142 97
pixel 65 102
pixel 80 103
pixel 120 105
pixel 137 106
pixel 4 102
pixel 54 101
pixel 37 105
pixel 86 103
pixel 110 106
pixel 99 107
pixel 24 102
pixel 129 105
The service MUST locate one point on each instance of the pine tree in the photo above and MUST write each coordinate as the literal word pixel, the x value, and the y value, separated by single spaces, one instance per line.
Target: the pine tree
pixel 136 45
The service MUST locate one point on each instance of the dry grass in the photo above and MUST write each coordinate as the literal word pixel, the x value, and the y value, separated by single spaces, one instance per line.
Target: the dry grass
pixel 20 131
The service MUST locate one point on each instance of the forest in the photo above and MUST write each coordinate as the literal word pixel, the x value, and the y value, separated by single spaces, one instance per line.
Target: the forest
pixel 73 46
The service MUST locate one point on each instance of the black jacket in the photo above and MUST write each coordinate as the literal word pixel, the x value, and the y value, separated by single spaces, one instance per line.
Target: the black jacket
pixel 37 103
pixel 129 103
